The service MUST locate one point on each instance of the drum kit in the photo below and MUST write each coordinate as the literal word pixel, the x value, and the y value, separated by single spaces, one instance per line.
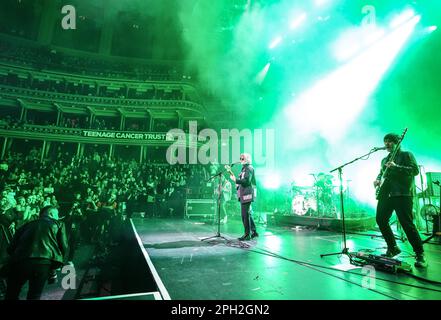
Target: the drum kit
pixel 318 200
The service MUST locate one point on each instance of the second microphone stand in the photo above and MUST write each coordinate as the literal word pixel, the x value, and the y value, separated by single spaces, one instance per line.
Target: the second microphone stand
pixel 219 199
pixel 345 249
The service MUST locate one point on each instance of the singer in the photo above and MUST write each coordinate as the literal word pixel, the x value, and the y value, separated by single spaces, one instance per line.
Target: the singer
pixel 397 189
pixel 246 182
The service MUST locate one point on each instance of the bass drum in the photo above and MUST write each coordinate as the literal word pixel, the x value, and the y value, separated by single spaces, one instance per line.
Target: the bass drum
pixel 303 205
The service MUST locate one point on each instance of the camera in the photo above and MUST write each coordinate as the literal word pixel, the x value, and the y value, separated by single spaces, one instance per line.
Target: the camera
pixel 53 278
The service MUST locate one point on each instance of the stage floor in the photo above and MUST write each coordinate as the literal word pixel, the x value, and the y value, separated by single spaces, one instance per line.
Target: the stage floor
pixel 283 263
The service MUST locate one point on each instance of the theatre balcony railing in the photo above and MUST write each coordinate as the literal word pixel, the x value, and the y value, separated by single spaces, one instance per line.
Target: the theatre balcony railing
pixel 69 99
pixel 25 76
pixel 89 136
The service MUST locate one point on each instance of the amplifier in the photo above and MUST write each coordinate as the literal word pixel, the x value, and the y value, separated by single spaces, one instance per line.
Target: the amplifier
pixel 200 208
pixel 433 190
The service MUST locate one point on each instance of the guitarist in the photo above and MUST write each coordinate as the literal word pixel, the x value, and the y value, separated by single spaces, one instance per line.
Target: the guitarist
pixel 396 193
pixel 246 183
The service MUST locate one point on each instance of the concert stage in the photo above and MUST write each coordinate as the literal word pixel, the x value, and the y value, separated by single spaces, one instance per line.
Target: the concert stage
pixel 165 259
pixel 283 263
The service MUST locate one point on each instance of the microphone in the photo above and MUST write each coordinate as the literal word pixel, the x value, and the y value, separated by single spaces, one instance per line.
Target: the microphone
pixel 379 148
pixel 436 182
pixel 234 163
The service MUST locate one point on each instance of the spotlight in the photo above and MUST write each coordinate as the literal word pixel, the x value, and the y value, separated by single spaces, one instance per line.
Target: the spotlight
pixel 271 181
pixel 402 18
pixel 275 42
pixel 298 21
pixel 319 3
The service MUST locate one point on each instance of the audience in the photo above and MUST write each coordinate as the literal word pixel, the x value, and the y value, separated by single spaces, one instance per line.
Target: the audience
pixel 92 193
pixel 94 183
pixel 70 199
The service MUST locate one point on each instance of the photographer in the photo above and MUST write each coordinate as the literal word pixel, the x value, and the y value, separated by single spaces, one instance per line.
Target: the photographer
pixel 36 250
pixel 108 216
pixel 91 217
pixel 73 221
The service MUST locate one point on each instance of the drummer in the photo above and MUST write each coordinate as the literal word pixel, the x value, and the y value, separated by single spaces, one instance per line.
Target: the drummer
pixel 324 181
pixel 324 188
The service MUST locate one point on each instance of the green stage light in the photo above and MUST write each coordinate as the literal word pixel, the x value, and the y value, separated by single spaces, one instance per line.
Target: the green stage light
pixel 262 74
pixel 353 41
pixel 298 21
pixel 402 18
pixel 301 176
pixel 271 181
pixel 320 3
pixel 321 119
pixel 334 102
pixel 275 42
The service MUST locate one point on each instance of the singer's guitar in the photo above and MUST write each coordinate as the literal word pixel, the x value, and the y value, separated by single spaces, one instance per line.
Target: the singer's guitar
pixel 228 169
pixel 382 187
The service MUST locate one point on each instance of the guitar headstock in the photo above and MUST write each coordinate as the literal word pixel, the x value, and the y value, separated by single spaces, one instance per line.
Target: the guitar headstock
pixel 403 134
pixel 398 145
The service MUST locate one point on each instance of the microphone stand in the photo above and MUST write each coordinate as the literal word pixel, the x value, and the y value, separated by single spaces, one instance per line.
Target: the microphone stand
pixel 345 249
pixel 219 199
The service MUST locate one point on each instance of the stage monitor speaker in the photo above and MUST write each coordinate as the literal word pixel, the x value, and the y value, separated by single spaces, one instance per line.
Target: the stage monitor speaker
pixel 200 208
pixel 433 190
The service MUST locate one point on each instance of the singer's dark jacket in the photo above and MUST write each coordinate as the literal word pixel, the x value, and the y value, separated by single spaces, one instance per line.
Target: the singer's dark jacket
pixel 246 183
pixel 400 180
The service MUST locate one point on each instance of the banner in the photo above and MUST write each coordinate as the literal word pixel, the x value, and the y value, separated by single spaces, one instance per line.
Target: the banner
pixel 124 135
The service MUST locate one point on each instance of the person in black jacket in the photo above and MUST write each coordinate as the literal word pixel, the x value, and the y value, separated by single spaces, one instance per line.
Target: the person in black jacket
pixel 396 193
pixel 246 183
pixel 36 249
